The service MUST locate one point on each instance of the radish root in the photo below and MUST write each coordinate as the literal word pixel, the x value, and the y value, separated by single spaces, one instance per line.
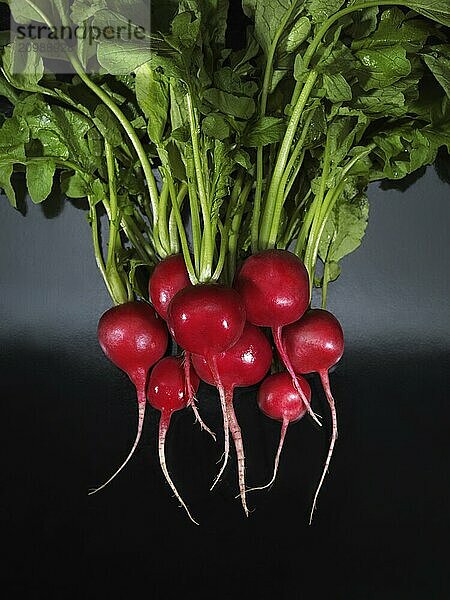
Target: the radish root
pixel 284 427
pixel 191 395
pixel 326 386
pixel 276 331
pixel 215 372
pixel 238 444
pixel 164 422
pixel 142 401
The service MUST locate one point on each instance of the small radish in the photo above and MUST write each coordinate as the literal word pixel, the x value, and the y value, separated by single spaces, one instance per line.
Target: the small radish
pixel 242 365
pixel 166 392
pixel 280 400
pixel 207 319
pixel 314 344
pixel 274 286
pixel 134 338
pixel 168 278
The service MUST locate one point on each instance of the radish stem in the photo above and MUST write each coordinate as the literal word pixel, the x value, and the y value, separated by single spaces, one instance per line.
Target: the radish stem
pixel 164 422
pixel 238 444
pixel 326 386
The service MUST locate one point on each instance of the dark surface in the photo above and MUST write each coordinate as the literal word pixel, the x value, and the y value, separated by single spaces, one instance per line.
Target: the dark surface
pixel 68 418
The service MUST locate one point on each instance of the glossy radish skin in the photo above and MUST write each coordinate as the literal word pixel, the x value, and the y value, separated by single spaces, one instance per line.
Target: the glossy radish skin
pixel 274 286
pixel 242 365
pixel 279 400
pixel 166 392
pixel 168 278
pixel 134 338
pixel 314 344
pixel 207 319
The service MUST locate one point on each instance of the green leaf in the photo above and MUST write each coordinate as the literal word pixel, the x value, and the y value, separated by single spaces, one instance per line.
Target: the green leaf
pixel 440 67
pixel 216 126
pixel 336 87
pixel 108 125
pixel 436 10
pixel 152 93
pixel 382 67
pixel 267 130
pixel 297 35
pixel 39 177
pixel 269 16
pixel 121 58
pixel 73 185
pixel 185 27
pixel 344 230
pixel 228 80
pixel 6 170
pixel 237 106
pixel 320 10
pixel 23 66
pixel 394 28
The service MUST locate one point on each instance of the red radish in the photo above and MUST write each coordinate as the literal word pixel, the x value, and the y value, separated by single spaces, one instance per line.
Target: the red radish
pixel 168 278
pixel 314 344
pixel 242 365
pixel 167 393
pixel 280 400
pixel 207 319
pixel 134 338
pixel 274 286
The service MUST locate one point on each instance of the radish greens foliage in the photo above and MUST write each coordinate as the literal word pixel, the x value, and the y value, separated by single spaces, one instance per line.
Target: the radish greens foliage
pixel 188 145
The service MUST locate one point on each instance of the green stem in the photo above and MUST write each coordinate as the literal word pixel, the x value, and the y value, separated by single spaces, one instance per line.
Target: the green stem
pixel 195 214
pixel 260 151
pixel 282 160
pixel 129 129
pixel 207 242
pixel 163 225
pixel 234 230
pixel 173 233
pixel 114 218
pixel 282 190
pixel 97 247
pixel 176 203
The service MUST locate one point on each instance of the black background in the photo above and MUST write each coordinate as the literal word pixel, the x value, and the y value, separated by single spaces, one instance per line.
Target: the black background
pixel 68 418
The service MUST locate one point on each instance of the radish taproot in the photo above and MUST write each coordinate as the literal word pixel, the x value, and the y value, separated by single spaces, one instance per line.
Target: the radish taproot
pixel 207 319
pixel 166 392
pixel 314 344
pixel 167 279
pixel 281 401
pixel 274 286
pixel 134 338
pixel 242 365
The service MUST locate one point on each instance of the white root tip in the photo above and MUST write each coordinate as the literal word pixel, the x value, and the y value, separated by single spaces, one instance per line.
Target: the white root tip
pixel 141 413
pixel 163 426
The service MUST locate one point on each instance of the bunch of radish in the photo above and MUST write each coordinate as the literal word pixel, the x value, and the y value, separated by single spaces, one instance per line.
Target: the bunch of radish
pixel 228 337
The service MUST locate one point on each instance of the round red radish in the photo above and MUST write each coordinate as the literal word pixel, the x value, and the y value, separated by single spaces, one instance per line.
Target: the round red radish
pixel 242 365
pixel 168 278
pixel 274 286
pixel 207 319
pixel 280 400
pixel 134 338
pixel 314 344
pixel 167 393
